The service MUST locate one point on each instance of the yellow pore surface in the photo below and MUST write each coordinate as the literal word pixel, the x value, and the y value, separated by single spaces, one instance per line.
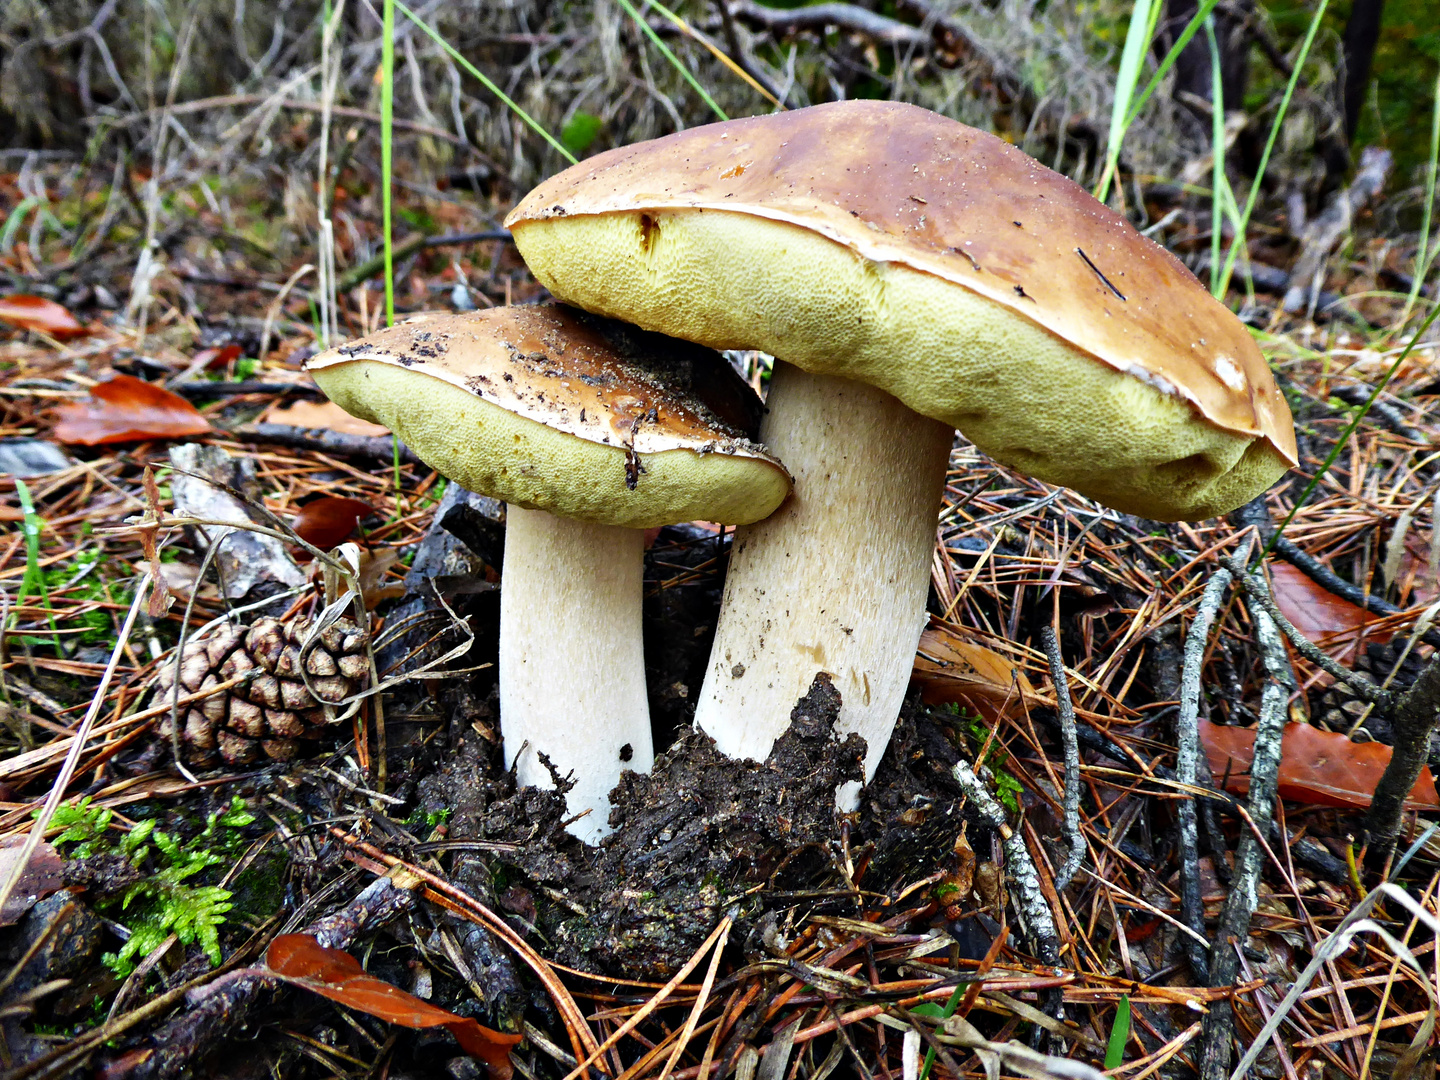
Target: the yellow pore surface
pixel 1022 394
pixel 488 450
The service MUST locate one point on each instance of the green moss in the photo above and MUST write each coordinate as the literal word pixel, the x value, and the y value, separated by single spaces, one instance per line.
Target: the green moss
pixel 167 900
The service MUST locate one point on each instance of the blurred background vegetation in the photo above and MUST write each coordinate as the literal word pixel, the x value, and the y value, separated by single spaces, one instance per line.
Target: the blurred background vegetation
pixel 239 85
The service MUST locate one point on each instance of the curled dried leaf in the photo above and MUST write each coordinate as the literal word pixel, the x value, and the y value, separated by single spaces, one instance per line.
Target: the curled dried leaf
pixel 333 973
pixel 950 669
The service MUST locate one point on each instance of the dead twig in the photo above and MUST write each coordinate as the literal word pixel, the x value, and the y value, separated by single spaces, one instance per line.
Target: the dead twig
pixel 1259 593
pixel 1075 857
pixel 1325 231
pixel 1187 771
pixel 373 447
pixel 1240 901
pixel 1030 904
pixel 1415 717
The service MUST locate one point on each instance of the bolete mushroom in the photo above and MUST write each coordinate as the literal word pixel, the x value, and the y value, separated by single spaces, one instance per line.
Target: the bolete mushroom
pixel 925 276
pixel 591 432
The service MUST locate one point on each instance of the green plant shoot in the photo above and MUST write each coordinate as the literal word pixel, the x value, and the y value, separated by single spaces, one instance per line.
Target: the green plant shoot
pixel 1119 1035
pixel 387 135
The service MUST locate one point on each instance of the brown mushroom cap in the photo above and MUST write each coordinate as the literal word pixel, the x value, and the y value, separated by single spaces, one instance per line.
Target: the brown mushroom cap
pixel 882 242
pixel 557 410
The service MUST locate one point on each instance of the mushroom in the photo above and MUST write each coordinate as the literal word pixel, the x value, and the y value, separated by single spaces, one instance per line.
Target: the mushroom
pixel 591 432
pixel 925 276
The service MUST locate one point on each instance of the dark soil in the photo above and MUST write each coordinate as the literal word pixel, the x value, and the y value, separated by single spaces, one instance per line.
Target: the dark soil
pixel 702 835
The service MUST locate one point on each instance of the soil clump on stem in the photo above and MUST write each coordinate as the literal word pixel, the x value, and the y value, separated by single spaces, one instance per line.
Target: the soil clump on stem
pixel 700 836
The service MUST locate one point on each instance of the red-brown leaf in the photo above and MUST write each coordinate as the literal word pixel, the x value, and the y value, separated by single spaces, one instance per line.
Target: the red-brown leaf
pixel 218 357
pixel 1322 767
pixel 329 520
pixel 1330 621
pixel 127 409
pixel 333 973
pixel 37 313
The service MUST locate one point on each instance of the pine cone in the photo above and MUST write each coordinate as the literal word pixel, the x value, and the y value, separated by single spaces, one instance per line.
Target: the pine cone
pixel 271 713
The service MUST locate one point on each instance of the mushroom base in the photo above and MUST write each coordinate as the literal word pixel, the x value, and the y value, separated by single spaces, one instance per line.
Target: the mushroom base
pixel 572 664
pixel 835 580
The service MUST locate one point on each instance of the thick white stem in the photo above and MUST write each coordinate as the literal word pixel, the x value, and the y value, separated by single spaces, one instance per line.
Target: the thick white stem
pixel 572 664
pixel 835 580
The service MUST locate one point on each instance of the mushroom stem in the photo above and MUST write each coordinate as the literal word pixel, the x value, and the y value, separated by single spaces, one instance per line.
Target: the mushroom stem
pixel 836 579
pixel 572 662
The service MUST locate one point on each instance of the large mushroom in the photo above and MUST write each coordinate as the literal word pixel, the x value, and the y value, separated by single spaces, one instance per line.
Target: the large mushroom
pixel 591 432
pixel 911 275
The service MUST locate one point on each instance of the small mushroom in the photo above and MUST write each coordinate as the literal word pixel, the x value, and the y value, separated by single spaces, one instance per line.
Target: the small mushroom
pixel 911 275
pixel 591 432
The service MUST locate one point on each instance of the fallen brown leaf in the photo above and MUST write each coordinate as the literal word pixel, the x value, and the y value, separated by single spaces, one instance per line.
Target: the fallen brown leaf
pixel 329 520
pixel 37 313
pixel 127 409
pixel 950 669
pixel 321 414
pixel 1321 767
pixel 43 875
pixel 1330 621
pixel 333 973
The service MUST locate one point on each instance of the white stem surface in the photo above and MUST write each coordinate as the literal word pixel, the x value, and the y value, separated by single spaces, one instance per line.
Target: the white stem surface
pixel 836 579
pixel 572 663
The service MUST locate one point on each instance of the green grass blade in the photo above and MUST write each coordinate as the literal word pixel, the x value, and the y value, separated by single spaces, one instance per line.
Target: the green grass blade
pixel 1137 43
pixel 1425 253
pixel 1217 150
pixel 1137 101
pixel 387 133
pixel 670 56
pixel 34 580
pixel 1192 28
pixel 1119 1035
pixel 1344 439
pixel 450 51
pixel 1238 244
pixel 946 1013
pixel 15 220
